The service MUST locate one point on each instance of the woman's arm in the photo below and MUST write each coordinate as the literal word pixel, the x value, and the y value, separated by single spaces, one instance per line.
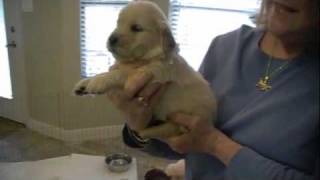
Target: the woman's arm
pixel 241 162
pixel 248 164
pixel 245 163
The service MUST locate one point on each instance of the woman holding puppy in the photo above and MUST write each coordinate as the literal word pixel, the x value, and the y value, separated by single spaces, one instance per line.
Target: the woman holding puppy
pixel 266 81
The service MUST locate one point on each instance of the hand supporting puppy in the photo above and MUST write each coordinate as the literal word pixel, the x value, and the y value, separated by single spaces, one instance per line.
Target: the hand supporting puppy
pixel 199 137
pixel 202 137
pixel 137 100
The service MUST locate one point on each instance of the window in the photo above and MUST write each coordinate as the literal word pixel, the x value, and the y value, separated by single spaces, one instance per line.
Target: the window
pixel 97 20
pixel 196 22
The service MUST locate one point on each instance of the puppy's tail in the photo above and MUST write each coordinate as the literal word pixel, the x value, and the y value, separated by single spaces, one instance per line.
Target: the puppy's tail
pixel 165 130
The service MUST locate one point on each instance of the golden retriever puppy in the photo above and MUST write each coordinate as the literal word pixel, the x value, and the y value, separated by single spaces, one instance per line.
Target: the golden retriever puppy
pixel 142 41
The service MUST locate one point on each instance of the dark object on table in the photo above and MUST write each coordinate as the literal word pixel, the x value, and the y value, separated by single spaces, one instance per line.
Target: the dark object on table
pixel 156 174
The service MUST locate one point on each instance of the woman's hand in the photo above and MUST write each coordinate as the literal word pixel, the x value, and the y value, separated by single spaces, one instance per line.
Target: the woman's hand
pixel 137 100
pixel 202 137
pixel 200 134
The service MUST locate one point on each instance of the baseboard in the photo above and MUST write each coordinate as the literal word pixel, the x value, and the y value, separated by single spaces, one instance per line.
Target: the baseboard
pixel 77 135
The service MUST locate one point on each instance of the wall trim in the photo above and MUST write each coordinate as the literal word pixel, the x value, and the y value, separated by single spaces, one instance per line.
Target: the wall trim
pixel 76 135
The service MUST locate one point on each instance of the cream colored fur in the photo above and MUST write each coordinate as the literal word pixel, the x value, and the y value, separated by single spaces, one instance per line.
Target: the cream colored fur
pixel 142 41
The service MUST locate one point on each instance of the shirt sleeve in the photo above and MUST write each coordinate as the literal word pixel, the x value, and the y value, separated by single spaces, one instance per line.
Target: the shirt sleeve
pixel 248 164
pixel 153 146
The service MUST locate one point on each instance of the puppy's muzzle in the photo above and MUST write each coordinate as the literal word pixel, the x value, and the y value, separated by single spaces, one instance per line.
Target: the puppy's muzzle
pixel 113 40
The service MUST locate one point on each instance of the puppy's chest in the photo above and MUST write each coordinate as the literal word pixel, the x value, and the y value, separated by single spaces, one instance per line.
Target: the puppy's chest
pixel 132 66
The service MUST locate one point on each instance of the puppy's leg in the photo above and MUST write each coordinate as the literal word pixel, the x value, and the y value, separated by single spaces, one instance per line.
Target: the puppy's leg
pixel 100 83
pixel 162 71
pixel 165 130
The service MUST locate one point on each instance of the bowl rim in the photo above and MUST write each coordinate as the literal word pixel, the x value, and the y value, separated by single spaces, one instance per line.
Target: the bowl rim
pixel 113 156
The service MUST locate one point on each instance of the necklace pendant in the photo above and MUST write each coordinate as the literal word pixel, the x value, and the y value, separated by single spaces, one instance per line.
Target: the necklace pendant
pixel 263 84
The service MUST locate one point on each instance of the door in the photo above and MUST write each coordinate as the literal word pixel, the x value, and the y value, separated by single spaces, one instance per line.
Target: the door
pixel 12 65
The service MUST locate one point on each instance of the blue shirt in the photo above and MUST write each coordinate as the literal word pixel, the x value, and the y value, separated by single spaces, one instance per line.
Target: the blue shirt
pixel 279 128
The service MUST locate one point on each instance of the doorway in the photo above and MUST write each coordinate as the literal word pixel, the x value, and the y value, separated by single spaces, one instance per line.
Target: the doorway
pixel 12 65
pixel 5 77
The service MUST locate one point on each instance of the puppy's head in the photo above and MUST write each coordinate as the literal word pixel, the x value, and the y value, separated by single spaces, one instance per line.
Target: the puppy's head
pixel 142 32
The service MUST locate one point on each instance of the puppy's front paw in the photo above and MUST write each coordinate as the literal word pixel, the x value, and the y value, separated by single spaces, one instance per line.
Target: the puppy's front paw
pixel 97 85
pixel 80 88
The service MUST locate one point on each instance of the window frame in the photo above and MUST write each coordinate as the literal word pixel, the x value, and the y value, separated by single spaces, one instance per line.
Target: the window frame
pixel 176 6
pixel 83 49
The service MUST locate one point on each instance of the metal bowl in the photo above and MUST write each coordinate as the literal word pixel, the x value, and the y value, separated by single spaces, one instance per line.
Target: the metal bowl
pixel 118 162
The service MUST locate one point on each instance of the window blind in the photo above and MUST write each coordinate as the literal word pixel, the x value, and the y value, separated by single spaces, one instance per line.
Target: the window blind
pixel 196 22
pixel 97 20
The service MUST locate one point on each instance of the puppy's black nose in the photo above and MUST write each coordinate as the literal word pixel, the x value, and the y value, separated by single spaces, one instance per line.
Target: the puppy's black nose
pixel 113 40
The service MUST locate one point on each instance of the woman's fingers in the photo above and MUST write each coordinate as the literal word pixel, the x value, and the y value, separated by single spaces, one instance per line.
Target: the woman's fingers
pixel 179 143
pixel 136 83
pixel 185 120
pixel 148 92
pixel 118 97
pixel 137 99
pixel 154 99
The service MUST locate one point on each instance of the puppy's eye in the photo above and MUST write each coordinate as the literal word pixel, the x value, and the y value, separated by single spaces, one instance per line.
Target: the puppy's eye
pixel 136 28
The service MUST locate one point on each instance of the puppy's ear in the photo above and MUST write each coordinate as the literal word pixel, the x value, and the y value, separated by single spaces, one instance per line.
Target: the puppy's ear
pixel 167 40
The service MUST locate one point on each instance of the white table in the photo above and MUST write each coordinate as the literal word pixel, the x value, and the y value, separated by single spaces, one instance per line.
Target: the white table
pixel 73 167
